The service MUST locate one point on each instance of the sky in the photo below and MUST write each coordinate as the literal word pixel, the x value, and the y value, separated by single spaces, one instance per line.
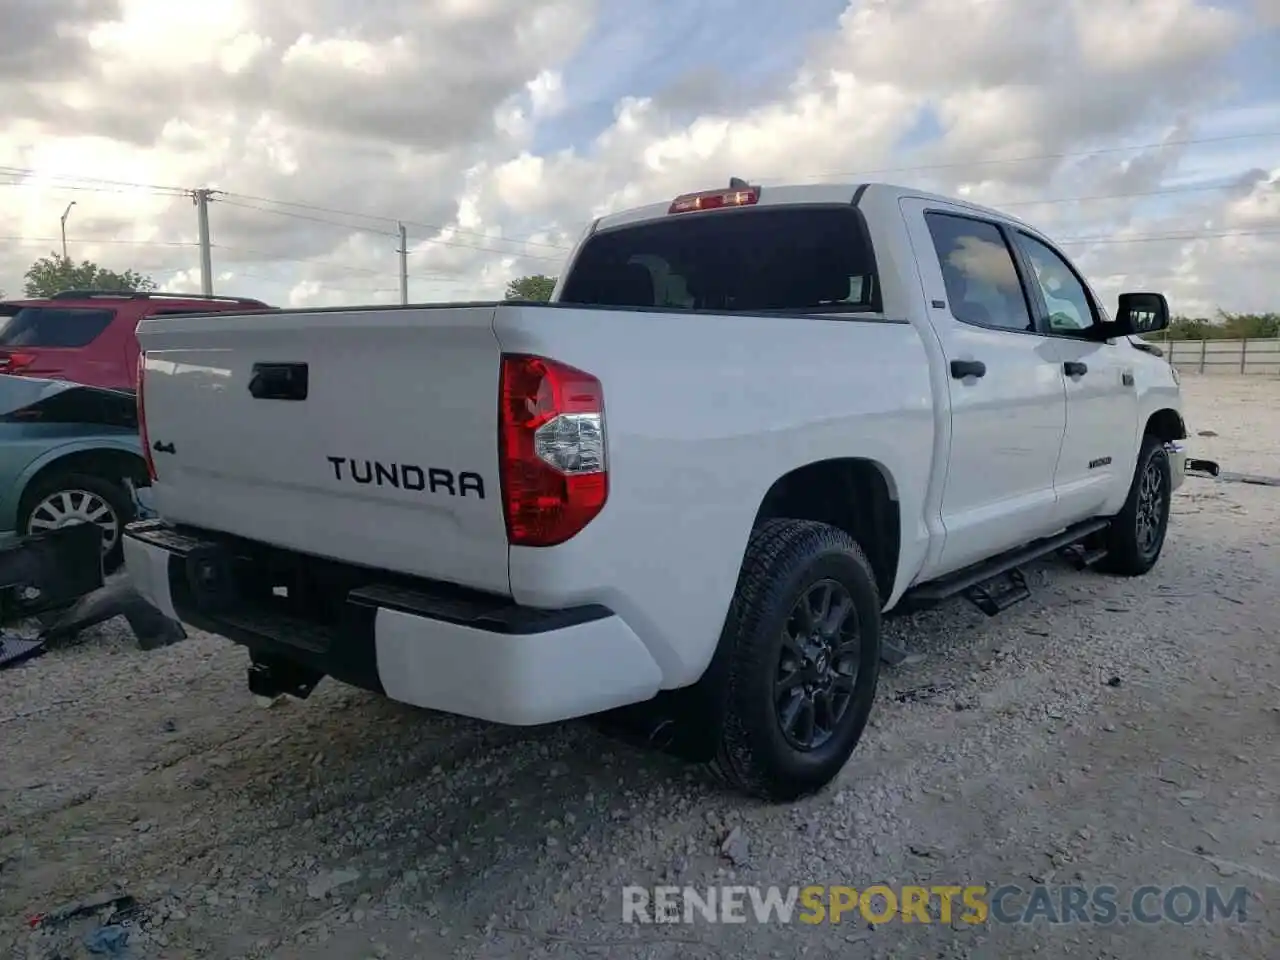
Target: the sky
pixel 1142 135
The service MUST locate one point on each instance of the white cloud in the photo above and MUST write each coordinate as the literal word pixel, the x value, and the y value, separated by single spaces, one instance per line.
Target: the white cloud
pixel 546 92
pixel 467 120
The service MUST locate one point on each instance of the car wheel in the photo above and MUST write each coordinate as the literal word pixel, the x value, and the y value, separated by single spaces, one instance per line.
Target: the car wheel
pixel 803 632
pixel 66 498
pixel 1137 533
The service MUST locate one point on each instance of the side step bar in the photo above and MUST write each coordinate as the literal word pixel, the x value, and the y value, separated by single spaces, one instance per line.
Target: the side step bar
pixel 974 577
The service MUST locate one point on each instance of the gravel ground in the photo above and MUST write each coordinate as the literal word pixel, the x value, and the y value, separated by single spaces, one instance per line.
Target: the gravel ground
pixel 1104 732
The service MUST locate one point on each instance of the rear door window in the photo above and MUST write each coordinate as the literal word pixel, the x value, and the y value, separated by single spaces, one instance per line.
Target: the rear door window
pixel 766 259
pixel 54 326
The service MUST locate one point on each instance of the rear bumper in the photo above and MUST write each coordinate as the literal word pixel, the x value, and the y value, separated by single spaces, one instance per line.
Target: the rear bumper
pixel 481 657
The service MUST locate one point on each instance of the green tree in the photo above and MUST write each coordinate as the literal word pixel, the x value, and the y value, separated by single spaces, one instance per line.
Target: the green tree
pixel 1249 326
pixel 1225 326
pixel 54 273
pixel 536 287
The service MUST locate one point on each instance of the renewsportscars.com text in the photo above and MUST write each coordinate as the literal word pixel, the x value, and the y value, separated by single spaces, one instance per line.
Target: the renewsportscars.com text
pixel 972 904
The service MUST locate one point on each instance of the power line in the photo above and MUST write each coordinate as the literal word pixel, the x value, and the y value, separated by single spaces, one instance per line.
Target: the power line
pixel 95 181
pixel 83 188
pixel 140 243
pixel 1199 188
pixel 386 233
pixel 312 219
pixel 827 176
pixel 381 219
pixel 262 256
pixel 99 184
pixel 955 165
pixel 293 283
pixel 1171 237
pixel 1164 191
pixel 1066 155
pixel 95 185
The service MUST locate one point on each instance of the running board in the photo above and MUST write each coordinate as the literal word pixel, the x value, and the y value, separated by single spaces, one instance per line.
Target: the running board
pixel 974 579
pixel 999 593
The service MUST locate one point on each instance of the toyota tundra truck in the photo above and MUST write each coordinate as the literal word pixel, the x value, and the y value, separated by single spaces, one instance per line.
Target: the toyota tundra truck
pixel 750 422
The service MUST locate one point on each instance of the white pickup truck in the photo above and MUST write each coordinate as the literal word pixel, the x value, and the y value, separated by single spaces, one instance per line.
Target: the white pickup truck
pixel 750 422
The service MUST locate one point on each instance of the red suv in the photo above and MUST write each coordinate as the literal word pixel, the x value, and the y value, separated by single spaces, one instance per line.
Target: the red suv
pixel 89 336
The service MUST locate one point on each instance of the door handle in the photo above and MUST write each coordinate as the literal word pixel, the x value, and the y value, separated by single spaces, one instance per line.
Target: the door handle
pixel 279 381
pixel 1074 368
pixel 968 368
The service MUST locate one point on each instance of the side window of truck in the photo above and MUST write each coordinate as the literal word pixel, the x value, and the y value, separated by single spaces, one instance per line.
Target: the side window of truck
pixel 983 287
pixel 1070 308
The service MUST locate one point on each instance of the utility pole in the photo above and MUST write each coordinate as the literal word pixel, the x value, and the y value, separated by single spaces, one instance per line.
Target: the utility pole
pixel 404 264
pixel 201 198
pixel 65 213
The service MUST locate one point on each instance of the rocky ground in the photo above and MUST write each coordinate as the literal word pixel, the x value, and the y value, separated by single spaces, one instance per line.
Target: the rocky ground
pixel 1104 732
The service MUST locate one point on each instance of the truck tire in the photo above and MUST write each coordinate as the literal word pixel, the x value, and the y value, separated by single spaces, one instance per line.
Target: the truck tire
pixel 801 675
pixel 1137 533
pixel 68 497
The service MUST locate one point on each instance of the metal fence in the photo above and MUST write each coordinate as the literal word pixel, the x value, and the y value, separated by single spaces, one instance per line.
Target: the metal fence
pixel 1223 356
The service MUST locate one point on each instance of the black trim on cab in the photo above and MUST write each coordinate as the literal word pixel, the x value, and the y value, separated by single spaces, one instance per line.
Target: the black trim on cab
pixel 321 613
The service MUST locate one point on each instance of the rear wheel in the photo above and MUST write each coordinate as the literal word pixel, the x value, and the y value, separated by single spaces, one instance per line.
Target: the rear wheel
pixel 62 499
pixel 804 655
pixel 1136 535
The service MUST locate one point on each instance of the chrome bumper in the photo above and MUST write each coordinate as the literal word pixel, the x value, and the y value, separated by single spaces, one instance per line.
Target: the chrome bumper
pixel 1180 465
pixel 1177 462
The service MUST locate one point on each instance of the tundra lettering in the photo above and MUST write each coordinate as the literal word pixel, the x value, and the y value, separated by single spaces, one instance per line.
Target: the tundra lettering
pixel 1100 462
pixel 408 476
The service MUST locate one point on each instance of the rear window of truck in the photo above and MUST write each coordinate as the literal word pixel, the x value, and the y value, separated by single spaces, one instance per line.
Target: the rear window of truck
pixel 53 326
pixel 765 259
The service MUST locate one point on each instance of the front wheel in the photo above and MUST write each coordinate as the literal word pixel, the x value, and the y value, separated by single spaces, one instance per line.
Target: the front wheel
pixel 1137 533
pixel 803 633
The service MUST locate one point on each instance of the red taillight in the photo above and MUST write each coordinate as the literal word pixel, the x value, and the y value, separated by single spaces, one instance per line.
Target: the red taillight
pixel 142 418
pixel 14 363
pixel 715 199
pixel 552 450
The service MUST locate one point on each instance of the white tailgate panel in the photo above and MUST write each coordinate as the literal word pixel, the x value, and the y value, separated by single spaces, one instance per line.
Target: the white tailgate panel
pixel 415 388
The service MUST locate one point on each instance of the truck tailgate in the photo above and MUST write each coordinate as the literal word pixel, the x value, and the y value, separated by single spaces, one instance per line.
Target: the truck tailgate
pixel 366 436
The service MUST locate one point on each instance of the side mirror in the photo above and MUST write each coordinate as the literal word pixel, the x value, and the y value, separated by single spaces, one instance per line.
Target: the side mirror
pixel 1141 313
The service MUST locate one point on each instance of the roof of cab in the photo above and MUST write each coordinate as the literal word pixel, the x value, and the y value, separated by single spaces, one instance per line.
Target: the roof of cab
pixel 782 194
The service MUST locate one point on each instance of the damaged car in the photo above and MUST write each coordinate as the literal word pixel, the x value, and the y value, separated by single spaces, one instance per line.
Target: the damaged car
pixel 69 454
